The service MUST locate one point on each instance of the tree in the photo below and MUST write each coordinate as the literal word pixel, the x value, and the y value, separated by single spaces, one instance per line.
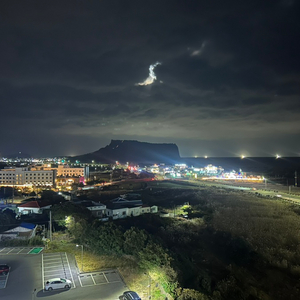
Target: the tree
pixel 107 239
pixel 135 240
pixel 152 256
pixel 7 219
pixel 61 211
pixel 190 294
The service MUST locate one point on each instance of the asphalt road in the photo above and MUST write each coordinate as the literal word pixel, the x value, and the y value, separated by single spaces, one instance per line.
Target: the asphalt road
pixel 25 280
pixel 265 192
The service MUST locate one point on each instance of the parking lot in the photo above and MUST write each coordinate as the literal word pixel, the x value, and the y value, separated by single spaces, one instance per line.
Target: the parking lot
pixel 20 250
pixel 56 265
pixel 15 250
pixel 30 272
pixel 97 278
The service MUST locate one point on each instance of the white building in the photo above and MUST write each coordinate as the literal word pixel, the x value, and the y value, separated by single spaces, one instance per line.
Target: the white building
pixel 32 207
pixel 22 232
pixel 132 211
pixel 27 177
pixel 66 171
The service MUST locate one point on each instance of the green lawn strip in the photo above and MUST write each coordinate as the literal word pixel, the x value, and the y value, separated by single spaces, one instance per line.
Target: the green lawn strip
pixel 36 250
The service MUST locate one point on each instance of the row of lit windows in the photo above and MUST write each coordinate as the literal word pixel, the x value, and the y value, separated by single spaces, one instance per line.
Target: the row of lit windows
pixel 39 182
pixel 38 176
pixel 72 173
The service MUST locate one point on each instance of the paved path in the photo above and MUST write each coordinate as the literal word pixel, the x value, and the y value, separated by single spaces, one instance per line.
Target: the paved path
pixel 294 198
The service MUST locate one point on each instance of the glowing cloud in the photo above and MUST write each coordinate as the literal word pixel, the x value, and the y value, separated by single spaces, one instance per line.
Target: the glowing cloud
pixel 151 78
pixel 199 52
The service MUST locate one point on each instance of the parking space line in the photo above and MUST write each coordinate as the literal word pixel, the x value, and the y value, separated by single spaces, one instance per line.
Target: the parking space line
pixel 50 271
pixel 20 250
pixel 10 250
pixel 50 255
pixel 88 285
pixel 58 266
pixel 93 279
pixel 70 270
pixel 29 250
pixel 80 281
pixel 105 277
pixel 6 280
pixel 53 257
pixel 43 271
pixel 2 249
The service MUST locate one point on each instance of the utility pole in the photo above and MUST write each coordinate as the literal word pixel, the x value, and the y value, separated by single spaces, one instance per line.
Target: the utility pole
pixel 265 183
pixel 13 191
pixel 50 227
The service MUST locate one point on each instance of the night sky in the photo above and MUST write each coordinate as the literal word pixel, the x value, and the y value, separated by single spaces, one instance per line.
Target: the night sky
pixel 225 76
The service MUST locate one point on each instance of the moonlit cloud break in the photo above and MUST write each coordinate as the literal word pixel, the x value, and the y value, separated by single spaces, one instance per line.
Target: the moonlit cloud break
pixel 199 51
pixel 152 77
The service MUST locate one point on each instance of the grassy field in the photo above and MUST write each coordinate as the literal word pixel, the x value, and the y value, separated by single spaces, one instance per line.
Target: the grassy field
pixel 231 244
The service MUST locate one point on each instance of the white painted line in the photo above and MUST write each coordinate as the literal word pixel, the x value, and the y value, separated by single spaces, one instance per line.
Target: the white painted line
pixel 54 271
pixel 70 270
pixel 93 279
pixel 43 271
pixel 51 267
pixel 102 283
pixel 2 249
pixel 80 281
pixel 10 250
pixel 52 260
pixel 105 278
pixel 52 257
pixel 30 250
pixel 52 263
pixel 88 285
pixel 6 279
pixel 20 250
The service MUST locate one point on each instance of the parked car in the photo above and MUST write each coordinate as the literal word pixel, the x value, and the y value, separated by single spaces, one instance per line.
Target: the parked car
pixel 57 283
pixel 130 295
pixel 4 269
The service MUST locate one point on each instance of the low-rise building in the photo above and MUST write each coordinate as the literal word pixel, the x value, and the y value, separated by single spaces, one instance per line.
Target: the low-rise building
pixel 23 232
pixel 117 211
pixel 32 207
pixel 97 209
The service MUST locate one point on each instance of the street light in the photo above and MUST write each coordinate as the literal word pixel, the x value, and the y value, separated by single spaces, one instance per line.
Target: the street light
pixel 81 256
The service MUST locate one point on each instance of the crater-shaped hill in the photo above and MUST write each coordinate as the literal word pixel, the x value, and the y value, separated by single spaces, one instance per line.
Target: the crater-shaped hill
pixel 133 152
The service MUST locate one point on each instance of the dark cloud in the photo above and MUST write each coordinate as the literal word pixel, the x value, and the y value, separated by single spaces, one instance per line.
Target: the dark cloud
pixel 228 82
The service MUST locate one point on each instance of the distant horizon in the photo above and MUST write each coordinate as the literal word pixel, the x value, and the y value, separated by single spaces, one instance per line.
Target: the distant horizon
pixel 235 154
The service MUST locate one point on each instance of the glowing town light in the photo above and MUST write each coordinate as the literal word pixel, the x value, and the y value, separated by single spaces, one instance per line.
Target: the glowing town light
pixel 278 156
pixel 243 156
pixel 205 156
